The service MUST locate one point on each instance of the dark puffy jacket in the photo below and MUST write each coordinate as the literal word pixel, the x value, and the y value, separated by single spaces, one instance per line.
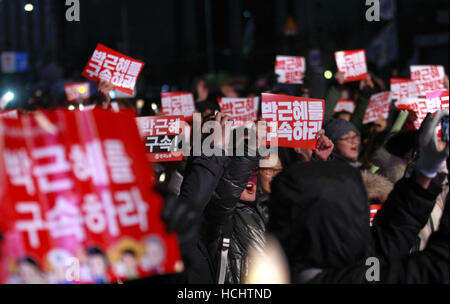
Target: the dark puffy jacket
pixel 226 216
pixel 320 214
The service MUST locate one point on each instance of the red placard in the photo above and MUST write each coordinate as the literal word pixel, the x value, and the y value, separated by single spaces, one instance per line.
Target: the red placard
pixel 178 103
pixel 122 71
pixel 345 105
pixel 352 63
pixel 378 107
pixel 242 110
pixel 158 133
pixel 290 69
pixel 434 101
pixel 292 121
pixel 77 91
pixel 428 78
pixel 14 114
pixel 77 201
pixel 403 88
pixel 374 208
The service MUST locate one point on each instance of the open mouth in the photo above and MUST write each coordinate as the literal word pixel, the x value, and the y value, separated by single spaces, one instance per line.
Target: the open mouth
pixel 250 188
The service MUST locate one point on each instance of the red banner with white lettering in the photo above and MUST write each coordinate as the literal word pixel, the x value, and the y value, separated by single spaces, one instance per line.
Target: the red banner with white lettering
pixel 292 121
pixel 403 88
pixel 428 78
pixel 290 69
pixel 77 203
pixel 242 110
pixel 352 63
pixel 77 91
pixel 159 134
pixel 345 105
pixel 14 114
pixel 178 103
pixel 379 106
pixel 122 71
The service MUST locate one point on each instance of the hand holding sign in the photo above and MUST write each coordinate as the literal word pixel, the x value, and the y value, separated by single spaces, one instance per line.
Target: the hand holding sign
pixel 324 146
pixel 104 88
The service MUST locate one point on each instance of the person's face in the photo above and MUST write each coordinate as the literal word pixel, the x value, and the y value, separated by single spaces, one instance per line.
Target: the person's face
pixel 129 261
pixel 348 145
pixel 266 175
pixel 249 193
pixel 29 274
pixel 345 116
pixel 380 125
pixel 97 265
pixel 229 92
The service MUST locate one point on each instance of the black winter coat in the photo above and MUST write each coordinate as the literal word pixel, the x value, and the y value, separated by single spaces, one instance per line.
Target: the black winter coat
pixel 320 214
pixel 246 222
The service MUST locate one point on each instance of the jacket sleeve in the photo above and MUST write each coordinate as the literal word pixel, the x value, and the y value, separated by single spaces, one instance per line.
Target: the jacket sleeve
pixel 361 107
pixel 332 99
pixel 405 213
pixel 227 195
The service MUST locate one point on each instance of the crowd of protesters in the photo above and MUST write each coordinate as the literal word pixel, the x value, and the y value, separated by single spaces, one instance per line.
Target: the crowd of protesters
pixel 316 203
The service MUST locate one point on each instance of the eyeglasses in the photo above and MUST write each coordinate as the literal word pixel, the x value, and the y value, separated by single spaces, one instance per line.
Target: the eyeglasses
pixel 270 171
pixel 351 138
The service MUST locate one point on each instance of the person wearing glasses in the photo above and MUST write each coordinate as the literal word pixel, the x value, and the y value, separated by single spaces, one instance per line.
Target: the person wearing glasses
pixel 346 139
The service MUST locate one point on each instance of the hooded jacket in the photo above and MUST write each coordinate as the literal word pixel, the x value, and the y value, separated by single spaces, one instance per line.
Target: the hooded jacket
pixel 320 214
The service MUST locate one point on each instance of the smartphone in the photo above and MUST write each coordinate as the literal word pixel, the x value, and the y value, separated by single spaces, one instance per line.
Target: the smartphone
pixel 444 127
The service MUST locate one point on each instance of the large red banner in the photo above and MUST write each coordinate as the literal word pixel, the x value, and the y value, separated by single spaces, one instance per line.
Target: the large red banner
pixel 122 71
pixel 292 121
pixel 353 64
pixel 159 134
pixel 14 114
pixel 76 201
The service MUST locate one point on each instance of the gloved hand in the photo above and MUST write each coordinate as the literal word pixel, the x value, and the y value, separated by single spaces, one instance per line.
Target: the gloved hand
pixel 430 158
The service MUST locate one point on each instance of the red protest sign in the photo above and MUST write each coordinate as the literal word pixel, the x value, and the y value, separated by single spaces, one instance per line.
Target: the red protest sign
pixel 352 63
pixel 434 101
pixel 77 190
pixel 14 114
pixel 292 121
pixel 77 91
pixel 378 107
pixel 290 69
pixel 122 71
pixel 159 132
pixel 242 110
pixel 428 78
pixel 345 105
pixel 178 103
pixel 403 88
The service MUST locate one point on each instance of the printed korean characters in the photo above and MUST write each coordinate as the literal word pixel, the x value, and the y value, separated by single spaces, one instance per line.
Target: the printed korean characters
pixel 161 133
pixel 77 91
pixel 242 110
pixel 345 105
pixel 122 71
pixel 353 64
pixel 292 121
pixel 403 88
pixel 14 114
pixel 178 103
pixel 74 181
pixel 290 69
pixel 378 107
pixel 428 78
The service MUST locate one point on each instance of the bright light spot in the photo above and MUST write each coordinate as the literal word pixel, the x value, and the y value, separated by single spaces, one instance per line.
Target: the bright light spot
pixel 29 7
pixel 112 94
pixel 328 74
pixel 162 177
pixel 9 96
pixel 140 104
pixel 81 90
pixel 81 107
pixel 154 106
pixel 71 107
